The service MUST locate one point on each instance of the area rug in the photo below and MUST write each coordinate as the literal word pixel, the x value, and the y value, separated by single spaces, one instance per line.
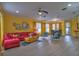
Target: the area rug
pixel 23 43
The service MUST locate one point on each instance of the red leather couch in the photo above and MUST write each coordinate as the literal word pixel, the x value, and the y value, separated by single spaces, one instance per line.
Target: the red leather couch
pixel 22 35
pixel 10 43
pixel 13 39
pixel 19 35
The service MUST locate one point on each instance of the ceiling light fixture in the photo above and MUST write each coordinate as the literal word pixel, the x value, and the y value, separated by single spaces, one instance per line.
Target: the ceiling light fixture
pixel 40 13
pixel 69 5
pixel 17 11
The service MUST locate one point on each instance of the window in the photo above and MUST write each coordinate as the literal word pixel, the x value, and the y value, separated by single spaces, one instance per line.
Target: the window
pixel 57 26
pixel 67 24
pixel 38 27
pixel 53 26
pixel 47 27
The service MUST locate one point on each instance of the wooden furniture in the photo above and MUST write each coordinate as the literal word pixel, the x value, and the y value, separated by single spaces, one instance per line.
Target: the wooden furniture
pixel 30 39
pixel 33 37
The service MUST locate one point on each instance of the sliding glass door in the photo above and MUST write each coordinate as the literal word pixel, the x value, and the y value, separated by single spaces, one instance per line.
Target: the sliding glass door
pixel 47 28
pixel 38 27
pixel 55 26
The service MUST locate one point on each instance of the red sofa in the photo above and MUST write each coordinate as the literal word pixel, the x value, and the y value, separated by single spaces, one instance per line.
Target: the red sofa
pixel 13 39
pixel 19 35
pixel 22 35
pixel 10 43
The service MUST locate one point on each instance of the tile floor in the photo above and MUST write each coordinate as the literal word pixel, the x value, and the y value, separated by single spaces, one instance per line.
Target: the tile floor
pixel 45 46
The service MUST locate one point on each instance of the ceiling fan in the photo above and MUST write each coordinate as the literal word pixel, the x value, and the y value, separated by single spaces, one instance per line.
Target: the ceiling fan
pixel 42 11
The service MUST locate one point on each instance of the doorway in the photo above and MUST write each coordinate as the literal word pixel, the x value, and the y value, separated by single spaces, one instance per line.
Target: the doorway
pixel 68 28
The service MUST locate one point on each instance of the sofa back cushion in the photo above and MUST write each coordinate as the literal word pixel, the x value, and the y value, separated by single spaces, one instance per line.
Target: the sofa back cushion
pixel 20 35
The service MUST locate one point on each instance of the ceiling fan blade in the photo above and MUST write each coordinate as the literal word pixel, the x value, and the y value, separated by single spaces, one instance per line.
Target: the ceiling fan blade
pixel 41 10
pixel 45 11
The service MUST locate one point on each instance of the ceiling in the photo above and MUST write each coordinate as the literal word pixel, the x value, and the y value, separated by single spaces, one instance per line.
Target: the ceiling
pixel 29 9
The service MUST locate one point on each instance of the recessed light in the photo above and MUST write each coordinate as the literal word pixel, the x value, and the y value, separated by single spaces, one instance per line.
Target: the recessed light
pixel 69 4
pixel 17 11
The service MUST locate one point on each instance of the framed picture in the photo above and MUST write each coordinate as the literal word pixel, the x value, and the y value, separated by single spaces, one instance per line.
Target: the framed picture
pixel 22 26
pixel 18 26
pixel 25 26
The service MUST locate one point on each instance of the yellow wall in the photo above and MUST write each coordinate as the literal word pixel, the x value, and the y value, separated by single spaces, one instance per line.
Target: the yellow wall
pixel 1 26
pixel 63 28
pixel 1 29
pixel 43 27
pixel 10 19
pixel 74 22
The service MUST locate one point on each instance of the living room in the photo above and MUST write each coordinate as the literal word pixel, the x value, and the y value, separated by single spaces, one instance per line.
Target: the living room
pixel 20 27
